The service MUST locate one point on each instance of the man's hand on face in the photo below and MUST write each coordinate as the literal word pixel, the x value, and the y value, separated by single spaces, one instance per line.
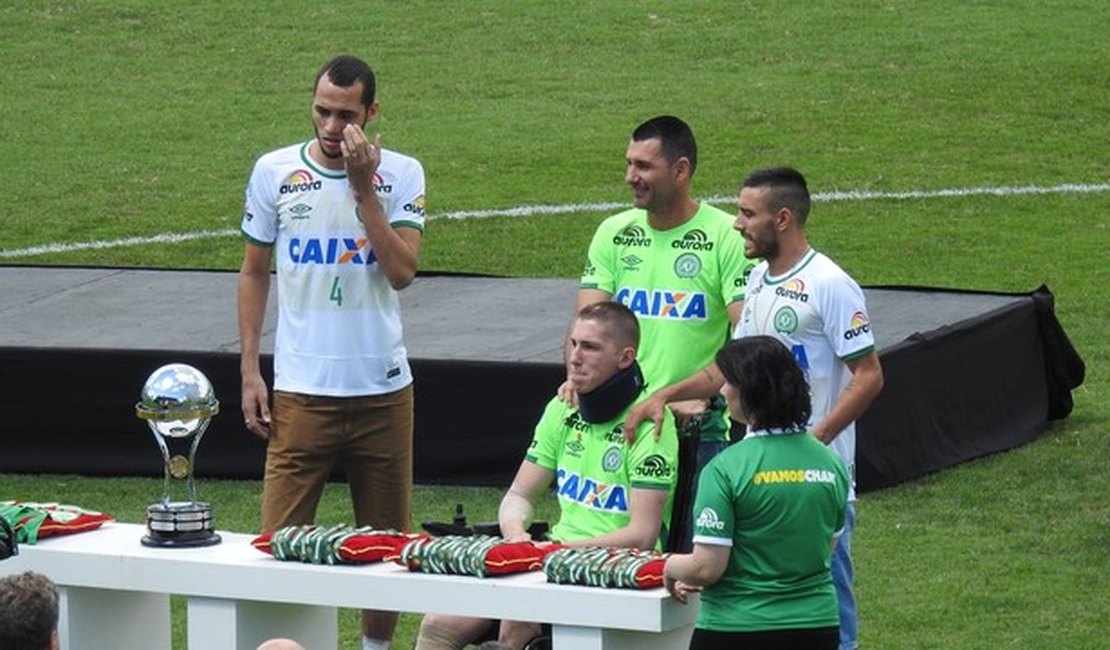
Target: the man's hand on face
pixel 361 159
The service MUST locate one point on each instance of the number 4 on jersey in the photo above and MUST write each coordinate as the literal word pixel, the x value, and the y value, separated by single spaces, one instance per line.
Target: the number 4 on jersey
pixel 336 295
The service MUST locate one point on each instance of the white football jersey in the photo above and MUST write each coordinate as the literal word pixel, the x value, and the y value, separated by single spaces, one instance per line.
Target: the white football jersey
pixel 819 312
pixel 339 321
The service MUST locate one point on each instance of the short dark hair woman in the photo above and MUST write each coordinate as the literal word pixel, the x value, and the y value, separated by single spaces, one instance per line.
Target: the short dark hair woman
pixel 766 510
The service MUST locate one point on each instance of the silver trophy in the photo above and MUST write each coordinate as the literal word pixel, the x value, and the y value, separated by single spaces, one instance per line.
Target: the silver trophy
pixel 178 403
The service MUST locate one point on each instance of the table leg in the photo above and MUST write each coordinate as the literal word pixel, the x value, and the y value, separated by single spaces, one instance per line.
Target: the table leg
pixel 218 624
pixel 121 620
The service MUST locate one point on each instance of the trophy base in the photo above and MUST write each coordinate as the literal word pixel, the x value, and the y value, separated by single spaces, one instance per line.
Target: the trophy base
pixel 158 540
pixel 179 525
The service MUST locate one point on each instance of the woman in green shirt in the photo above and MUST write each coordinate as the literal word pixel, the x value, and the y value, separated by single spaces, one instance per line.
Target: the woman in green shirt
pixel 767 510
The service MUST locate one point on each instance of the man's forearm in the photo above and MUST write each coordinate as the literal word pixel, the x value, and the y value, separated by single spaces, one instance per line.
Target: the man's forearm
pixel 513 514
pixel 627 537
pixel 396 258
pixel 694 568
pixel 254 290
pixel 704 384
pixel 862 389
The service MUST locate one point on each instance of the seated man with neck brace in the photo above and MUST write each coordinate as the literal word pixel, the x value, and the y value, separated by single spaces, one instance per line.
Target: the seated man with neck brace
pixel 610 493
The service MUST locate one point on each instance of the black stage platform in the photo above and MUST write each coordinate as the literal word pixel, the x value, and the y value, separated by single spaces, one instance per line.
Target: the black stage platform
pixel 967 373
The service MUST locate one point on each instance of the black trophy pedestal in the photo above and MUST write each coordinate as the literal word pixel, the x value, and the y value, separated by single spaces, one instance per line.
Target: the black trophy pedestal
pixel 180 525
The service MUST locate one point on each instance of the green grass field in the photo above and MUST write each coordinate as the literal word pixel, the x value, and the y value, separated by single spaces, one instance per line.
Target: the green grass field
pixel 134 118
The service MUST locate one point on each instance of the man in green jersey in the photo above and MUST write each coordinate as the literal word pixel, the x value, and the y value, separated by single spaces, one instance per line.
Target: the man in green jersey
pixel 610 493
pixel 678 265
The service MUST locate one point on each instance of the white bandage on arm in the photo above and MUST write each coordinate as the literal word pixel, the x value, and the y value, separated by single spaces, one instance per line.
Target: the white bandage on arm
pixel 515 510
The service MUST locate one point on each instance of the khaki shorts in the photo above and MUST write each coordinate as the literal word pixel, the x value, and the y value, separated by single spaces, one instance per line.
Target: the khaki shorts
pixel 370 438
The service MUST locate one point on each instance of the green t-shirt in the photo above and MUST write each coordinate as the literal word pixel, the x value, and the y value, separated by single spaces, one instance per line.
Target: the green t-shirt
pixel 596 469
pixel 678 282
pixel 776 499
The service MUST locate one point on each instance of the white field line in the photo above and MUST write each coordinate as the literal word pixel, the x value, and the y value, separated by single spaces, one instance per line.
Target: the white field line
pixel 530 210
pixel 165 238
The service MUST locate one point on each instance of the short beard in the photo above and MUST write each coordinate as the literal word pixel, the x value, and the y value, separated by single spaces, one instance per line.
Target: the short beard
pixel 768 251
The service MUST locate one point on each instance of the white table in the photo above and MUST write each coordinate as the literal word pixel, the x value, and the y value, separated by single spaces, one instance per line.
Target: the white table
pixel 115 594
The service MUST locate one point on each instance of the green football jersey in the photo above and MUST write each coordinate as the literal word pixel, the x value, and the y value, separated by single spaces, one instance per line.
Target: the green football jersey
pixel 776 500
pixel 678 282
pixel 596 469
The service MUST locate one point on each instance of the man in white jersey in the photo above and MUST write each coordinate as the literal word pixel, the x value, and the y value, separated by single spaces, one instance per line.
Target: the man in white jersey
pixel 809 303
pixel 343 218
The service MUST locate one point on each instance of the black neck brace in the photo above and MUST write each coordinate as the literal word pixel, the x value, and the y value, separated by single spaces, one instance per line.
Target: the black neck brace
pixel 607 400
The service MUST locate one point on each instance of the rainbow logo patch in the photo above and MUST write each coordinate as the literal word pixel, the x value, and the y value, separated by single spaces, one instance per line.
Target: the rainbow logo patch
pixel 300 181
pixel 795 289
pixel 797 284
pixel 858 326
pixel 300 176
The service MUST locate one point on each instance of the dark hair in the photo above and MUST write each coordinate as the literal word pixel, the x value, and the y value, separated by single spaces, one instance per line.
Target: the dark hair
pixel 28 611
pixel 773 390
pixel 787 190
pixel 617 318
pixel 675 137
pixel 344 70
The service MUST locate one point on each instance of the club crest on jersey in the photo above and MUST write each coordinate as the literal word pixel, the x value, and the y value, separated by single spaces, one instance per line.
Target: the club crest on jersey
pixel 794 290
pixel 300 181
pixel 589 493
pixel 695 240
pixel 632 236
pixel 664 303
pixel 688 265
pixel 859 325
pixel 333 250
pixel 612 460
pixel 786 320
